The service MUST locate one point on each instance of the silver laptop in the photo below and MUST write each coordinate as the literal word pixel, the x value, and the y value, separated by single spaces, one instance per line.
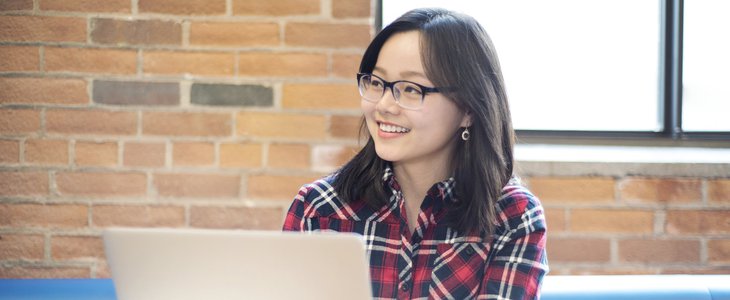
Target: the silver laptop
pixel 149 264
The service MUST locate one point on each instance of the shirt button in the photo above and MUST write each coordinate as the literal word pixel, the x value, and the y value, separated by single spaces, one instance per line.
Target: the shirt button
pixel 469 250
pixel 405 287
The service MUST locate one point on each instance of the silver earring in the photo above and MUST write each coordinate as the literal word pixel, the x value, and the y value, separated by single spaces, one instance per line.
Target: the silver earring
pixel 465 135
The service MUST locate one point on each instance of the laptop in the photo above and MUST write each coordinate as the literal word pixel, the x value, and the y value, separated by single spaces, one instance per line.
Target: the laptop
pixel 149 264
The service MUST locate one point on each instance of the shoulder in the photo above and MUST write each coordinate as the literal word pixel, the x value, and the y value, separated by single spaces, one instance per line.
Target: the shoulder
pixel 518 207
pixel 321 199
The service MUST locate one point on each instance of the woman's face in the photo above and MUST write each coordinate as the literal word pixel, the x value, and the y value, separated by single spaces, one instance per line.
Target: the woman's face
pixel 402 135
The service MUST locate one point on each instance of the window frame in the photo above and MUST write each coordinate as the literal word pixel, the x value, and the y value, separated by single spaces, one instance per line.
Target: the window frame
pixel 670 97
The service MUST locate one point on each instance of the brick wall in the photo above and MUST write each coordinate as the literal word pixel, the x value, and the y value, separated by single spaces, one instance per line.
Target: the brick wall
pixel 636 224
pixel 211 113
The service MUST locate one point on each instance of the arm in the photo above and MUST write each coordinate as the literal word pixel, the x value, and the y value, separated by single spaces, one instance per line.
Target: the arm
pixel 518 262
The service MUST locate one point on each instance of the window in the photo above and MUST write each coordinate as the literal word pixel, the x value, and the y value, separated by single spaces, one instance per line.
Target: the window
pixel 607 68
pixel 706 66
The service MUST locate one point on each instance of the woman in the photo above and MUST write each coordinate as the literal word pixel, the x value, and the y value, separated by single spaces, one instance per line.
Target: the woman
pixel 432 192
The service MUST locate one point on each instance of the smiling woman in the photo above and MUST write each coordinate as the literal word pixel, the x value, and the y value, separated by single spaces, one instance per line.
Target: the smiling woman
pixel 433 191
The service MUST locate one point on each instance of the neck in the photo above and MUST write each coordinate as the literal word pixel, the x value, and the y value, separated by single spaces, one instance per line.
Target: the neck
pixel 415 179
pixel 419 177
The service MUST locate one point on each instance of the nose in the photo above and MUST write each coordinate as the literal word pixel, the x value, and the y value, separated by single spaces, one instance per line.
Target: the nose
pixel 387 103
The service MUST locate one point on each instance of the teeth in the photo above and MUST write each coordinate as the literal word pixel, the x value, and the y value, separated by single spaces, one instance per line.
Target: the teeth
pixel 392 128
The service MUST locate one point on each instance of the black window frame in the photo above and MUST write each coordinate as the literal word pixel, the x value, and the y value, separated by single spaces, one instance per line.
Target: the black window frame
pixel 670 97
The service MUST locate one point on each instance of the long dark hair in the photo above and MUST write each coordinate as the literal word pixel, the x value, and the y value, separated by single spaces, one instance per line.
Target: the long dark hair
pixel 456 52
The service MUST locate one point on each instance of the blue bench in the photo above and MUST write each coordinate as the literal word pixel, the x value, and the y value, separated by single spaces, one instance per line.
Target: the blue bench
pixel 685 287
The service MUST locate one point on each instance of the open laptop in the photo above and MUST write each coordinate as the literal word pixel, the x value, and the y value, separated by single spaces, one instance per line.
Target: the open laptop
pixel 198 264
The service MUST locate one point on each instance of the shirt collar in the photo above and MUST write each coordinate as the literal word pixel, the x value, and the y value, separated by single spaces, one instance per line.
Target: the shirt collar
pixel 439 193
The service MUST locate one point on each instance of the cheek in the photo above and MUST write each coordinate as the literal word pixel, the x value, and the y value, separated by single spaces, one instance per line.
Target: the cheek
pixel 366 106
pixel 367 109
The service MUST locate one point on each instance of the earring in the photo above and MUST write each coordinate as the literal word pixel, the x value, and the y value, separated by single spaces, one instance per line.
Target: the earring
pixel 465 135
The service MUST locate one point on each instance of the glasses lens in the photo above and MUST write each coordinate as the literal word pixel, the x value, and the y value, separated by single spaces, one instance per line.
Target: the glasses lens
pixel 408 94
pixel 370 88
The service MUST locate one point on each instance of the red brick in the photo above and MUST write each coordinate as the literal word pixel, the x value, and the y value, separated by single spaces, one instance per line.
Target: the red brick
pixel 186 124
pixel 19 58
pixel 91 122
pixel 702 222
pixel 576 190
pixel 605 220
pixel 196 63
pixel 351 8
pixel 282 64
pixel 84 60
pixel 258 218
pixel 193 154
pixel 183 7
pixel 719 270
pixel 321 96
pixel 289 156
pixel 76 247
pixel 43 90
pixel 17 183
pixel 9 152
pixel 49 152
pixel 234 34
pixel 35 272
pixel 138 216
pixel 608 270
pixel 120 32
pixel 276 187
pixel 276 8
pixel 19 121
pixel 42 29
pixel 102 154
pixel 265 124
pixel 579 250
pixel 556 219
pixel 718 190
pixel 101 184
pixel 718 251
pixel 327 35
pixel 345 127
pixel 44 215
pixel 331 157
pixel 110 6
pixel 661 190
pixel 659 251
pixel 22 246
pixel 346 65
pixel 241 155
pixel 102 270
pixel 144 154
pixel 16 5
pixel 197 185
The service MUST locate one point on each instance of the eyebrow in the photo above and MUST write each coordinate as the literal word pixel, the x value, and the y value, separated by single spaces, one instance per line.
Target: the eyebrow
pixel 405 74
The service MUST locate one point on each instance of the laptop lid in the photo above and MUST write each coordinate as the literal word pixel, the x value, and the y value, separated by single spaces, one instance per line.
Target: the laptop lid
pixel 198 264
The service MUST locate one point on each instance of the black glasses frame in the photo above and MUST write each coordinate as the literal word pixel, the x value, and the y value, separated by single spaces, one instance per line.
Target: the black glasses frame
pixel 387 84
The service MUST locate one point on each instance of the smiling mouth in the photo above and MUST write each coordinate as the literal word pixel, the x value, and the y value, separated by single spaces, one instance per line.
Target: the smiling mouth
pixel 392 128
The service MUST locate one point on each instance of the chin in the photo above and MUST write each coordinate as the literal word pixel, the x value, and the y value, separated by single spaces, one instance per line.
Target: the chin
pixel 385 154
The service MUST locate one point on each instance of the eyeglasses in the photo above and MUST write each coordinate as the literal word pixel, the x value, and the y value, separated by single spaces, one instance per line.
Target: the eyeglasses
pixel 408 95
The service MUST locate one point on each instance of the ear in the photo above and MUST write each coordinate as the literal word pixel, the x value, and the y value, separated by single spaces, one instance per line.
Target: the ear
pixel 466 120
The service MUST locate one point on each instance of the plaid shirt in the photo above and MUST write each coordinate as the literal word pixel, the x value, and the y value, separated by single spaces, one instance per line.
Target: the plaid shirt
pixel 435 262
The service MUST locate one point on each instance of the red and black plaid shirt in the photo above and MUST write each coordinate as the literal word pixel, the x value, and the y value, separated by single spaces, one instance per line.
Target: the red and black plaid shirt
pixel 435 262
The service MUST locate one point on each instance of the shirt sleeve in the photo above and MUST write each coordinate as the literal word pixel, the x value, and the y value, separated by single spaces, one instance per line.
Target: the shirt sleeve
pixel 295 216
pixel 519 262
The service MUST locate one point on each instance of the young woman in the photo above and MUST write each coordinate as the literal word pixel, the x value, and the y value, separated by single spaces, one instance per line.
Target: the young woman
pixel 433 192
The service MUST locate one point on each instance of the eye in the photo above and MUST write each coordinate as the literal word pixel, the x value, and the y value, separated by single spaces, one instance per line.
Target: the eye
pixel 412 90
pixel 376 83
